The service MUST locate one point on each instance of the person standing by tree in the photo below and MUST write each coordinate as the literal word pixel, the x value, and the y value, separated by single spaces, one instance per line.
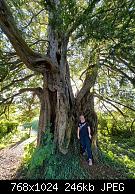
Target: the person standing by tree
pixel 84 134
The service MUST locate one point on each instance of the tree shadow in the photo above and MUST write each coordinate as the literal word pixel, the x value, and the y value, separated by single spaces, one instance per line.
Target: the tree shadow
pixel 123 148
pixel 16 144
pixel 20 173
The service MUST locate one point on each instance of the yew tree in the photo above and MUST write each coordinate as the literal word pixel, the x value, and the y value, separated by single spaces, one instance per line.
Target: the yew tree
pixel 60 26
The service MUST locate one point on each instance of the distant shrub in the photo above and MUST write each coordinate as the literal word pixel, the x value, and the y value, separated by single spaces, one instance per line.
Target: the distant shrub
pixel 11 126
pixel 7 127
pixel 27 125
pixel 12 137
pixel 118 152
pixel 34 124
pixel 115 127
pixel 3 130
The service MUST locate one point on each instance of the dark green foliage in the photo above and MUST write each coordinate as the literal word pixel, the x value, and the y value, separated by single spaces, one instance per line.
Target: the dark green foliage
pixel 44 163
pixel 119 153
pixel 117 160
pixel 40 156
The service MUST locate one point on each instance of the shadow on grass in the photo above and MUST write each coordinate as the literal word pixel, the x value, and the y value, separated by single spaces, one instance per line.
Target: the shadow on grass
pixel 64 167
pixel 16 144
pixel 19 142
pixel 120 154
pixel 74 167
pixel 115 166
pixel 123 147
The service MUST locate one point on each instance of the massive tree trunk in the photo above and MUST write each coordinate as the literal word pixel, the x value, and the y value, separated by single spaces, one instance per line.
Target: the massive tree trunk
pixel 59 109
pixel 57 102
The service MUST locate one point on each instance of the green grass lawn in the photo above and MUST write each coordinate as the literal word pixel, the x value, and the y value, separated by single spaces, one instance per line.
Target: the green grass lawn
pixel 119 152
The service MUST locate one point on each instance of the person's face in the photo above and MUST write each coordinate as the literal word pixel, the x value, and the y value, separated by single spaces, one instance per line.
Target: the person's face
pixel 82 118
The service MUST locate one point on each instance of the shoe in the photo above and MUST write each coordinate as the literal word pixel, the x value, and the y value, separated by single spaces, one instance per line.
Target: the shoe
pixel 90 162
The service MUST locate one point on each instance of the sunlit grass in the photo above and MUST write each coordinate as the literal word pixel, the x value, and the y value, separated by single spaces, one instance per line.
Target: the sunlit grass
pixel 13 137
pixel 120 153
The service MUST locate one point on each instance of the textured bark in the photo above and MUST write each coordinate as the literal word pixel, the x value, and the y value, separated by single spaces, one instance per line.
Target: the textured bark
pixel 57 101
pixel 59 109
pixel 34 61
pixel 85 105
pixel 88 83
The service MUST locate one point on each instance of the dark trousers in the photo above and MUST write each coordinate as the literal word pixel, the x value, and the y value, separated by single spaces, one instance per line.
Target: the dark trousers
pixel 86 145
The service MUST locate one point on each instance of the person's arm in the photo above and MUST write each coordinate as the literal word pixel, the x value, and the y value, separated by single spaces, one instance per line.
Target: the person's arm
pixel 89 132
pixel 78 132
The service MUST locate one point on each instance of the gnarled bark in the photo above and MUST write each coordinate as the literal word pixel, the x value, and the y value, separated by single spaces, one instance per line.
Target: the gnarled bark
pixel 58 108
pixel 85 105
pixel 34 61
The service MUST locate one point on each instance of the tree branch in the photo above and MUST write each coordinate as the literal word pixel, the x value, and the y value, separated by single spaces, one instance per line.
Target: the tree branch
pixel 3 112
pixel 41 40
pixel 111 66
pixel 33 18
pixel 85 71
pixel 88 83
pixel 101 98
pixel 16 65
pixel 16 81
pixel 112 115
pixel 31 59
pixel 38 91
pixel 121 104
pixel 119 59
pixel 108 111
pixel 109 101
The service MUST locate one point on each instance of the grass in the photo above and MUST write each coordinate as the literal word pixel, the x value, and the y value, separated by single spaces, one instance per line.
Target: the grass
pixel 119 152
pixel 13 137
pixel 117 161
pixel 62 167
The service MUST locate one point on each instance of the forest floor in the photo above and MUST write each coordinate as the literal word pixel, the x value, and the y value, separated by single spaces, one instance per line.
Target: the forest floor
pixel 11 157
pixel 101 171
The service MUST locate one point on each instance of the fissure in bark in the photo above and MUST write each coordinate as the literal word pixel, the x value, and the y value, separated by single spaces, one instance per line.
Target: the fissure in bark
pixel 58 105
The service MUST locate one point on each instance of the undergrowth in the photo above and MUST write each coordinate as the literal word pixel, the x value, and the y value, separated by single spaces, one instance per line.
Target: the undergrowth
pixel 119 153
pixel 44 163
